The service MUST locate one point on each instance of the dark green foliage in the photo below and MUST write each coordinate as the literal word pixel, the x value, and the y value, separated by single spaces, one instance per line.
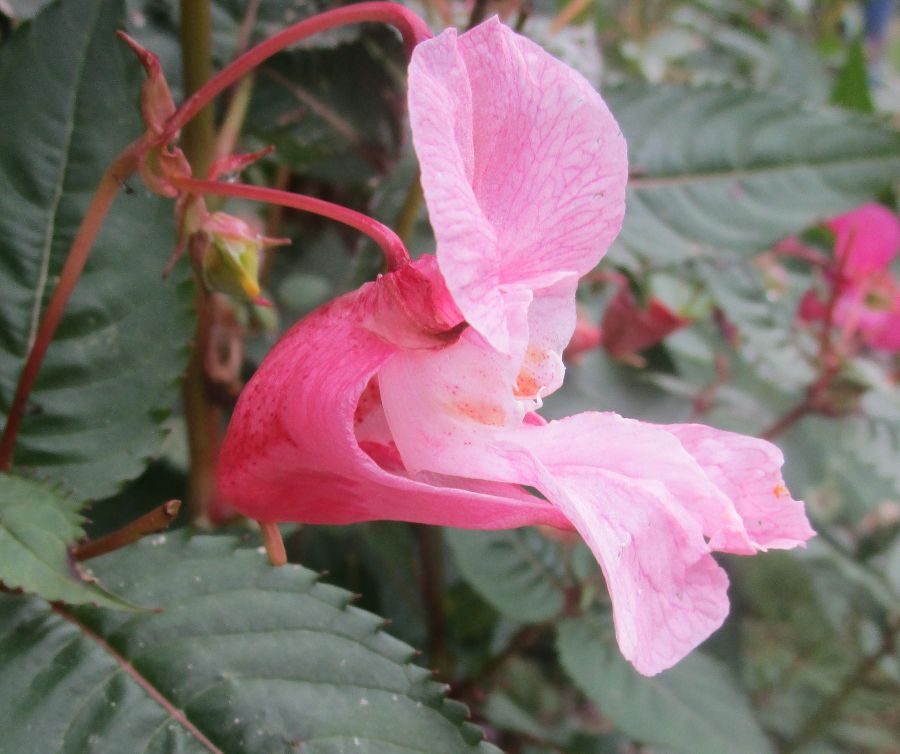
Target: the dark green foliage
pixel 112 370
pixel 37 526
pixel 253 658
pixel 719 170
pixel 695 707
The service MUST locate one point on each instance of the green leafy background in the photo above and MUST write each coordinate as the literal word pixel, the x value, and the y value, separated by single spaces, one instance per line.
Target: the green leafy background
pixel 112 373
pixel 746 123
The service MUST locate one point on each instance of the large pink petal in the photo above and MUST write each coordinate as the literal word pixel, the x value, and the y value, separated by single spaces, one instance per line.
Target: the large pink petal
pixel 869 238
pixel 639 500
pixel 667 592
pixel 748 470
pixel 523 167
pixel 645 453
pixel 291 452
pixel 640 506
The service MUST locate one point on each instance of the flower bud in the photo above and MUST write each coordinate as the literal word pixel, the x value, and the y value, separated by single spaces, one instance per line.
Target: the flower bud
pixel 629 327
pixel 227 251
pixel 157 104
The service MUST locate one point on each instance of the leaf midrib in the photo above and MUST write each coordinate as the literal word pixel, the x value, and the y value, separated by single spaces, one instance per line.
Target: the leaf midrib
pixel 53 209
pixel 155 694
pixel 660 181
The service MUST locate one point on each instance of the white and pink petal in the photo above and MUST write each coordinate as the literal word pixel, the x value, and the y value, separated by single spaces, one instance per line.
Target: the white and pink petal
pixel 523 167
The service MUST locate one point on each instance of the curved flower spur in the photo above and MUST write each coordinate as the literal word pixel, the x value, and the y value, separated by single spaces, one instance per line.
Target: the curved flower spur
pixel 414 397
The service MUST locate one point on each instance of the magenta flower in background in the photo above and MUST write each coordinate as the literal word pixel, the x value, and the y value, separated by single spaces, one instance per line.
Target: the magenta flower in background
pixel 867 294
pixel 414 397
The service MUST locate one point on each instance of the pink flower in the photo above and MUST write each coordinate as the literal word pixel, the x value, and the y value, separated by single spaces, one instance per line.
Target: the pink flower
pixel 867 295
pixel 629 328
pixel 414 397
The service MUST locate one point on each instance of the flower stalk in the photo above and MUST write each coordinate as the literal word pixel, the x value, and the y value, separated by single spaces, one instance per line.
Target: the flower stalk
pixel 153 522
pixel 389 242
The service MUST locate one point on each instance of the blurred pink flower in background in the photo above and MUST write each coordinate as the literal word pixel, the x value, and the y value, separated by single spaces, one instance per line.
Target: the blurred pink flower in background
pixel 414 397
pixel 864 293
pixel 627 328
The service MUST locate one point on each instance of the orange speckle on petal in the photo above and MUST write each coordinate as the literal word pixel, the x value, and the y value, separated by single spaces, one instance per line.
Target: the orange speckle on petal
pixel 780 490
pixel 537 372
pixel 527 385
pixel 482 412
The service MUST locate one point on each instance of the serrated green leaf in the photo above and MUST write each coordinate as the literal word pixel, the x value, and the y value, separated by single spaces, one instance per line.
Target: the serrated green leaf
pixel 517 571
pixel 693 708
pixel 719 169
pixel 244 658
pixel 113 367
pixel 37 526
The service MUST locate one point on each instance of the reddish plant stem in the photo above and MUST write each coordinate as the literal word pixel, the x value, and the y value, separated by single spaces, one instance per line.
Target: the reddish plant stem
pixel 173 712
pixel 788 420
pixel 394 251
pixel 239 101
pixel 273 543
pixel 155 521
pixel 110 184
pixel 245 31
pixel 411 27
pixel 816 400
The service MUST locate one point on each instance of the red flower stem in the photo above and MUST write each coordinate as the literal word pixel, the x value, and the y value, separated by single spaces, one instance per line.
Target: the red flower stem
pixel 153 522
pixel 120 169
pixel 394 251
pixel 412 28
pixel 273 543
pixel 788 420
